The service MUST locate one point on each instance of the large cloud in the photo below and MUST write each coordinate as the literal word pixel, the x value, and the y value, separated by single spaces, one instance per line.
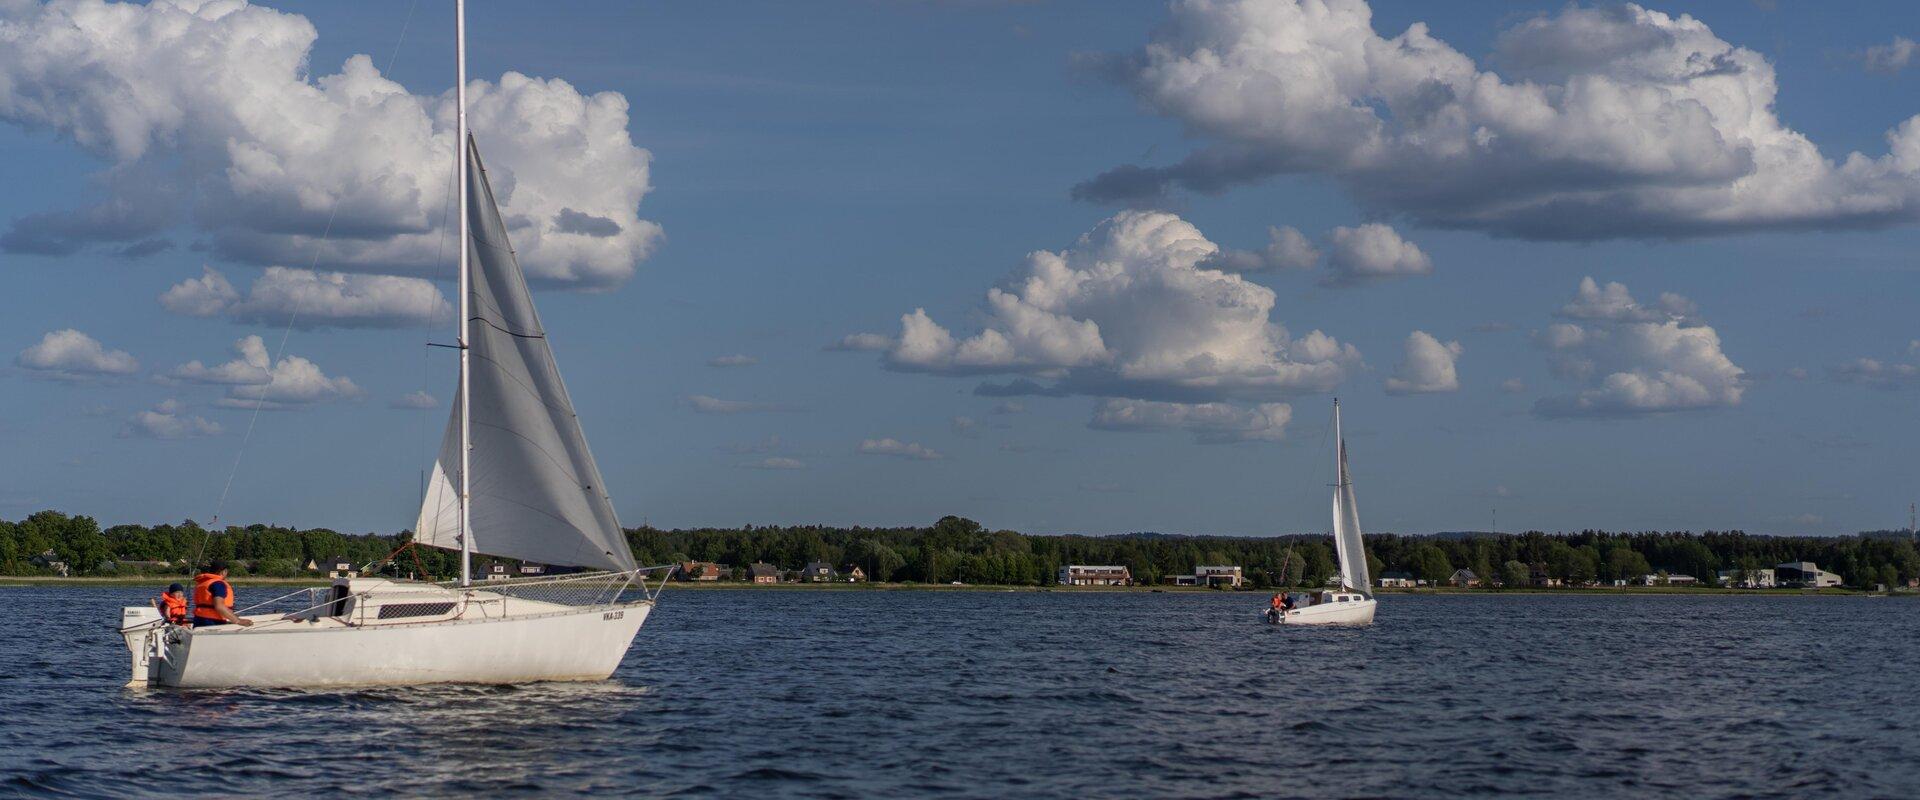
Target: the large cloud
pixel 1130 311
pixel 1371 253
pixel 208 116
pixel 68 354
pixel 167 421
pixel 1630 359
pixel 1210 423
pixel 1608 122
pixel 1429 366
pixel 312 299
pixel 254 379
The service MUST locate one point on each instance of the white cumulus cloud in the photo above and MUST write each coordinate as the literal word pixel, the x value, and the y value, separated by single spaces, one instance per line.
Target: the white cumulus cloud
pixel 1287 248
pixel 1876 373
pixel 1628 361
pixel 1891 57
pixel 1209 423
pixel 313 299
pixel 894 447
pixel 1617 121
pixel 167 421
pixel 415 400
pixel 68 354
pixel 210 115
pixel 253 378
pixel 1428 366
pixel 1370 253
pixel 1130 311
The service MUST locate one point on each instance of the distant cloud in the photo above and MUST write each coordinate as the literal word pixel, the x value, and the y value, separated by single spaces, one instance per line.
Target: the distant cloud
pixel 1513 386
pixel 190 105
pixel 966 427
pixel 735 360
pixel 1009 407
pixel 1875 373
pixel 1616 121
pixel 1130 311
pixel 776 463
pixel 898 449
pixel 167 421
pixel 312 299
pixel 1209 423
pixel 415 400
pixel 862 342
pixel 1890 58
pixel 1428 366
pixel 1632 360
pixel 713 405
pixel 293 382
pixel 1371 253
pixel 1287 249
pixel 68 354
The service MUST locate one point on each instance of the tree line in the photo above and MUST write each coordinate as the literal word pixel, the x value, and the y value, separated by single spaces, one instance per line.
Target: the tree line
pixel 959 549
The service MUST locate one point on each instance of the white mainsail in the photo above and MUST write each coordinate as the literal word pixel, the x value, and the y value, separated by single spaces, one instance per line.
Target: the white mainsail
pixel 1352 551
pixel 537 494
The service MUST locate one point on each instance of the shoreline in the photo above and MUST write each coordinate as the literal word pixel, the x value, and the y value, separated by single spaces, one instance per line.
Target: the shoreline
pixel 22 581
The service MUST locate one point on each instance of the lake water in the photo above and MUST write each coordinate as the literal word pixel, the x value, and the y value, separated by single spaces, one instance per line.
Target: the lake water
pixel 987 694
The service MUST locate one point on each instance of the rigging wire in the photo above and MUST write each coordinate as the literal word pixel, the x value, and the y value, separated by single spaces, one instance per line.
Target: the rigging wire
pixel 280 351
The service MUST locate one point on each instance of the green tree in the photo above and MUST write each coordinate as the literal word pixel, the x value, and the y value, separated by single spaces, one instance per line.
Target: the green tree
pixel 1514 574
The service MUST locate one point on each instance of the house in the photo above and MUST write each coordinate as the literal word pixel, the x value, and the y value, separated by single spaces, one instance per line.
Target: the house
pixel 495 572
pixel 1395 580
pixel 759 572
pixel 51 562
pixel 1215 575
pixel 335 567
pixel 1804 575
pixel 1670 579
pixel 1755 579
pixel 1537 575
pixel 532 570
pixel 817 572
pixel 1095 575
pixel 1463 578
pixel 852 573
pixel 701 571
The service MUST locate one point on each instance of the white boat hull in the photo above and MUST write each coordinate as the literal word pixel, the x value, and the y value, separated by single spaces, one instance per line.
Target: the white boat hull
pixel 1355 612
pixel 565 644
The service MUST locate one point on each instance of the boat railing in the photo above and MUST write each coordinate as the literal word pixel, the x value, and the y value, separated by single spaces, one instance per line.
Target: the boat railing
pixel 578 589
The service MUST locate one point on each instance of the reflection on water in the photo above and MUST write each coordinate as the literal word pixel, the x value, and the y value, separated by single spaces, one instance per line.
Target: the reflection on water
pixel 840 694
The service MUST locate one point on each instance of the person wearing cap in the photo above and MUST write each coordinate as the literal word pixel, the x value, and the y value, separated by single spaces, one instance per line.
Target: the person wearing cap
pixel 173 605
pixel 213 598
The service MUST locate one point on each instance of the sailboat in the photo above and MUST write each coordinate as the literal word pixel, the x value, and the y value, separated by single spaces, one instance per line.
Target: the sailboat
pixel 1353 604
pixel 514 479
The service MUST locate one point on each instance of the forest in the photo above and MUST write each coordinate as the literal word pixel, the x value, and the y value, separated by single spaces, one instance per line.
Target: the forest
pixel 959 549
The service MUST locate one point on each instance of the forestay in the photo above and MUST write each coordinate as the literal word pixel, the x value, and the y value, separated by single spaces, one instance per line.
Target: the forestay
pixel 537 493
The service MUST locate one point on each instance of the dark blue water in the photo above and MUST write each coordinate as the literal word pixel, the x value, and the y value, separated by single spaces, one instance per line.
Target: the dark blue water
pixel 976 694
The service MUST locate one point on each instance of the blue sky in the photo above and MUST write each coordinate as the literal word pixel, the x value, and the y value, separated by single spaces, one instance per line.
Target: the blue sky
pixel 819 170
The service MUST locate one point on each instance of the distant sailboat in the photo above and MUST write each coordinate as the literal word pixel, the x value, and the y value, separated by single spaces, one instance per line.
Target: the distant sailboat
pixel 1353 604
pixel 514 479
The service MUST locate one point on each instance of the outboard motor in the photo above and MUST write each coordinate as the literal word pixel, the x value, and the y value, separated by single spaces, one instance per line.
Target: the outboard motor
pixel 145 633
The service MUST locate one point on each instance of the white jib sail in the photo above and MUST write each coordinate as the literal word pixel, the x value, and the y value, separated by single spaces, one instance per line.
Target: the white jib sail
pixel 537 493
pixel 1347 544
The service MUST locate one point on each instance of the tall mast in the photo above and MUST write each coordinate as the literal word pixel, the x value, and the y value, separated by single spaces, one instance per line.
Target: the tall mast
pixel 1339 448
pixel 466 395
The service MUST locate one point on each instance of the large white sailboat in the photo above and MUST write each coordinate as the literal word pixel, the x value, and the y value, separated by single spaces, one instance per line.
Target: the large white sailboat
pixel 1353 604
pixel 514 478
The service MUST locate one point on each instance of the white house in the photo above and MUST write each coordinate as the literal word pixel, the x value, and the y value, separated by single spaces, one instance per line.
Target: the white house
pixel 1803 574
pixel 1211 575
pixel 1755 579
pixel 1095 575
pixel 1672 579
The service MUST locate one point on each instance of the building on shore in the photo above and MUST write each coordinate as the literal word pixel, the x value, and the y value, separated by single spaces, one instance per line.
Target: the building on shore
pixel 1463 578
pixel 334 566
pixel 1396 580
pixel 1670 579
pixel 1804 575
pixel 1748 579
pixel 852 573
pixel 817 572
pixel 760 572
pixel 1211 575
pixel 701 571
pixel 1095 575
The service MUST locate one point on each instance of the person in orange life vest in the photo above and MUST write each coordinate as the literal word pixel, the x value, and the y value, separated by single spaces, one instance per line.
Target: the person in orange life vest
pixel 213 598
pixel 173 605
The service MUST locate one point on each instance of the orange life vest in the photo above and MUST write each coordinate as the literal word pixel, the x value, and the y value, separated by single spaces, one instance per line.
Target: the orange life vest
pixel 1279 601
pixel 175 608
pixel 204 601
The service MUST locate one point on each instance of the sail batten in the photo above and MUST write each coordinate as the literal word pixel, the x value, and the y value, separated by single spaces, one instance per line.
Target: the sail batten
pixel 536 493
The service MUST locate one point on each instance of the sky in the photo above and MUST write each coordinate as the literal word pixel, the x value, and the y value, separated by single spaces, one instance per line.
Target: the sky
pixel 1068 267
